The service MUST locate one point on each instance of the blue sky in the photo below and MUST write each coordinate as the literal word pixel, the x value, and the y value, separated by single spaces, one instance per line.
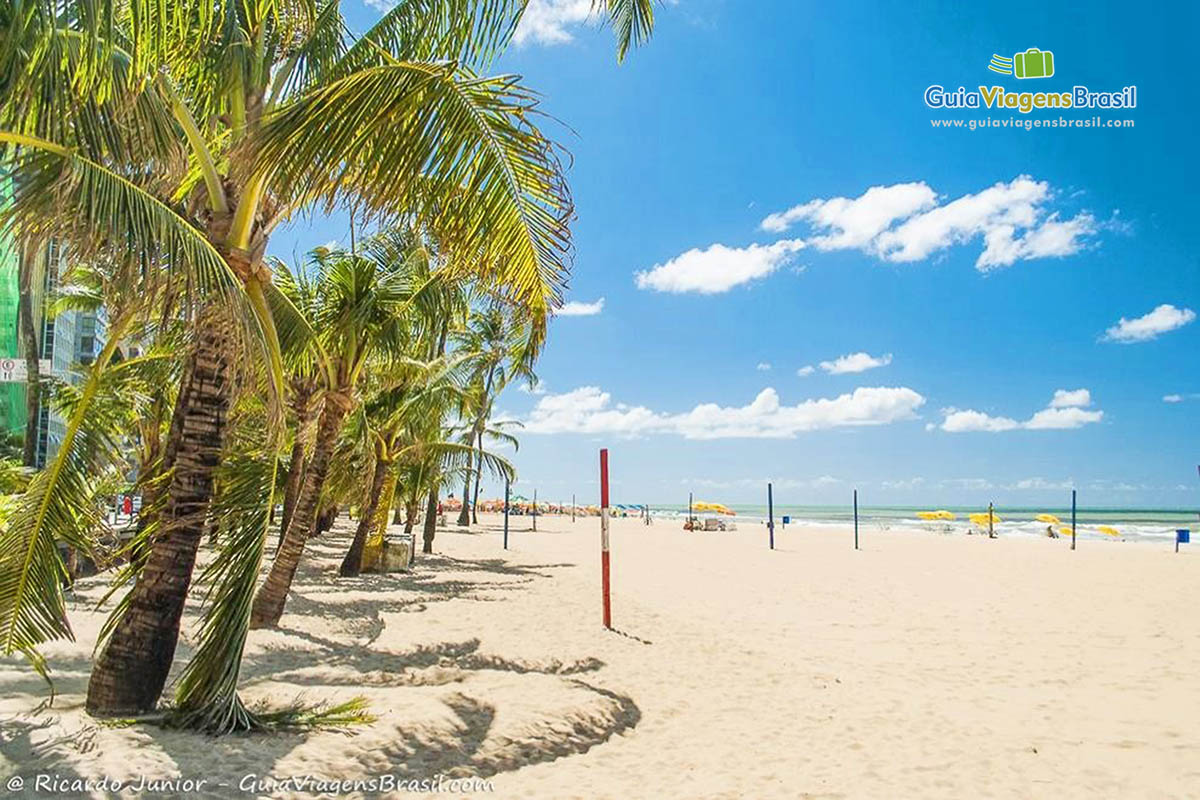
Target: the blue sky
pixel 987 271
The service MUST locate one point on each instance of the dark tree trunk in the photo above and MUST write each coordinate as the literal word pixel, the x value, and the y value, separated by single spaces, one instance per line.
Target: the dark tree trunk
pixel 268 605
pixel 478 473
pixel 398 515
pixel 325 520
pixel 352 563
pixel 464 515
pixel 130 673
pixel 302 393
pixel 410 510
pixel 430 521
pixel 29 342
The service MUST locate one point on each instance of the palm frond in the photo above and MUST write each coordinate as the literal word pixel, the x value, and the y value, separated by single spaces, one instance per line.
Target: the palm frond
pixel 470 31
pixel 457 151
pixel 632 21
pixel 60 505
pixel 207 697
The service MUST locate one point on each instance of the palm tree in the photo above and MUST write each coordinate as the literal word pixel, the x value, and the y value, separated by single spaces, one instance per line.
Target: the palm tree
pixel 184 133
pixel 362 310
pixel 503 347
pixel 191 144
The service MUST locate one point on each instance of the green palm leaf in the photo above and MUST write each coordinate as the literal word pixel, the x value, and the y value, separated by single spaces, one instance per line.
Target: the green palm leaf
pixel 408 135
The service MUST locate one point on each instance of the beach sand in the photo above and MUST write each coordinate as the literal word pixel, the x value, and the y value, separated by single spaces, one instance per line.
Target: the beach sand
pixel 924 665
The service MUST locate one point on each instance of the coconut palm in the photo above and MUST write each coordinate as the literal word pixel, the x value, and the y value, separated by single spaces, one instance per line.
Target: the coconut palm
pixel 186 132
pixel 363 310
pixel 501 341
pixel 182 134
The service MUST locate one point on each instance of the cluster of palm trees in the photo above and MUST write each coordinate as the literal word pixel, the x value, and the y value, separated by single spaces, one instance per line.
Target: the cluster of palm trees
pixel 161 142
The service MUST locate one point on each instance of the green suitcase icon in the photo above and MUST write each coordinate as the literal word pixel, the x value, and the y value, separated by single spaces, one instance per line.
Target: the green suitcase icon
pixel 1033 63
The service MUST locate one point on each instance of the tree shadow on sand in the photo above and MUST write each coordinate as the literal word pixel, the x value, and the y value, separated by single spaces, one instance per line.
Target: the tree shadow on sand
pixel 21 756
pixel 473 751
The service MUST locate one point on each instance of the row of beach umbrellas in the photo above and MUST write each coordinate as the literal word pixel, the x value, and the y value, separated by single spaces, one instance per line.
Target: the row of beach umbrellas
pixel 984 518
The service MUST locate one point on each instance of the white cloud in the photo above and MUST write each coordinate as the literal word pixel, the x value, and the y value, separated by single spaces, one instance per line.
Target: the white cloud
pixel 821 482
pixel 904 223
pixel 1172 398
pixel 855 222
pixel 590 410
pixel 1059 419
pixel 966 421
pixel 855 362
pixel 1150 326
pixel 538 388
pixel 967 483
pixel 1041 484
pixel 1069 399
pixel 1065 412
pixel 805 371
pixel 763 366
pixel 549 21
pixel 578 309
pixel 717 268
pixel 911 483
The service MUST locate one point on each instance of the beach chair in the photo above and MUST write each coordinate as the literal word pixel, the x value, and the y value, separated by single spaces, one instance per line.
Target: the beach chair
pixel 712 524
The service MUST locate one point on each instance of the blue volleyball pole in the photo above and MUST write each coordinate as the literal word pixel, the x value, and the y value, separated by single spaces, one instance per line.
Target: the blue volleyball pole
pixel 770 517
pixel 1074 531
pixel 856 519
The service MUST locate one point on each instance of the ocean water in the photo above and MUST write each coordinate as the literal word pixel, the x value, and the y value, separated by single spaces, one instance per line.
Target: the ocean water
pixel 1146 524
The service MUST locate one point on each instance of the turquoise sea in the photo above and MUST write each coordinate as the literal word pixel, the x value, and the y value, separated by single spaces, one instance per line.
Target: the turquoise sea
pixel 1132 523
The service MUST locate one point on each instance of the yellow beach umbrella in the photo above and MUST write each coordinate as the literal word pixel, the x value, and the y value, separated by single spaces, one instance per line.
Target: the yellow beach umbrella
pixel 984 517
pixel 716 508
pixel 943 514
pixel 1048 518
pixel 1065 530
pixel 1109 530
pixel 929 514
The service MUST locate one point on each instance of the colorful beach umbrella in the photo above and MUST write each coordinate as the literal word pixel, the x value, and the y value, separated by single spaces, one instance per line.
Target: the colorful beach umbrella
pixel 1048 518
pixel 1109 530
pixel 1065 530
pixel 715 508
pixel 982 518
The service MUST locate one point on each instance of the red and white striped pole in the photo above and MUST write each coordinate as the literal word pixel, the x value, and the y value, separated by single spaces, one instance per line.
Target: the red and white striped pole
pixel 604 568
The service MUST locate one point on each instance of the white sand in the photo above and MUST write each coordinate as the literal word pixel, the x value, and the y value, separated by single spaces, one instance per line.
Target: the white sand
pixel 923 666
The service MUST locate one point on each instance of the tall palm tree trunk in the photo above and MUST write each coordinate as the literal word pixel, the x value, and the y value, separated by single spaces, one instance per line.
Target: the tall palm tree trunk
pixel 302 405
pixel 268 604
pixel 464 515
pixel 410 511
pixel 352 563
pixel 29 342
pixel 430 520
pixel 386 498
pixel 478 474
pixel 130 673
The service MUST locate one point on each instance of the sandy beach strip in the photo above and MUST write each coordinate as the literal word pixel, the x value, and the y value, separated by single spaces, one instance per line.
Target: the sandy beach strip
pixel 923 665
